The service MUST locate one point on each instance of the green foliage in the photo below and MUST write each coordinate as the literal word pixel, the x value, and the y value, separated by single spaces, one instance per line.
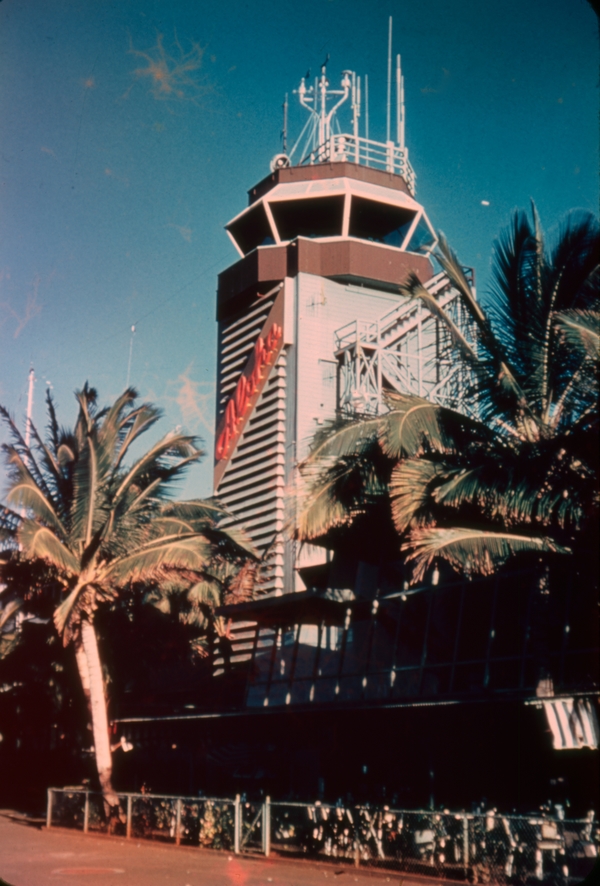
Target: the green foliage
pixel 523 476
pixel 81 527
pixel 99 524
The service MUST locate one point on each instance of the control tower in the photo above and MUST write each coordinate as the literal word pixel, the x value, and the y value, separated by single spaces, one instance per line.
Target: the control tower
pixel 310 319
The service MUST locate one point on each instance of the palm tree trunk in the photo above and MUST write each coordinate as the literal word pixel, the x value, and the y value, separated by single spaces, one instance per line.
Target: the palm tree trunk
pixel 98 710
pixel 84 675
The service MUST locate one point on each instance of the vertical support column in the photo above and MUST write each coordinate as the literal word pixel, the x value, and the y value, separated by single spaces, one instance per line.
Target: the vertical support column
pixel 128 825
pixel 465 843
pixel 86 812
pixel 389 163
pixel 267 827
pixel 178 821
pixel 237 825
pixel 356 853
pixel 49 809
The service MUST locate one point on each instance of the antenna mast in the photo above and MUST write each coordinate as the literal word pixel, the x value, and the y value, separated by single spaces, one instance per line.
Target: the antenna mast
pixel 355 103
pixel 402 140
pixel 130 355
pixel 367 106
pixel 29 407
pixel 285 116
pixel 389 84
pixel 398 100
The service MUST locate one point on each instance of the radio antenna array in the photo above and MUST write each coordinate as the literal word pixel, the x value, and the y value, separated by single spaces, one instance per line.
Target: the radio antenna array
pixel 321 139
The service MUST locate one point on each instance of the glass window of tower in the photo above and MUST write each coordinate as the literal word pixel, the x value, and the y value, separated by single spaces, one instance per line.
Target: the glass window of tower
pixel 370 220
pixel 314 217
pixel 252 229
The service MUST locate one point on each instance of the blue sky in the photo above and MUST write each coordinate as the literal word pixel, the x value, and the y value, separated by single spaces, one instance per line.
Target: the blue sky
pixel 131 132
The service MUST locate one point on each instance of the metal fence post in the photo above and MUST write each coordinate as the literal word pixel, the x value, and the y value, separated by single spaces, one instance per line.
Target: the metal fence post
pixel 86 812
pixel 267 826
pixel 237 825
pixel 465 842
pixel 128 825
pixel 178 822
pixel 49 809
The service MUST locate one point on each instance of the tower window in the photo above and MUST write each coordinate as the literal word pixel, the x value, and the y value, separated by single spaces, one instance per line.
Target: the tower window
pixel 422 239
pixel 252 229
pixel 314 217
pixel 370 220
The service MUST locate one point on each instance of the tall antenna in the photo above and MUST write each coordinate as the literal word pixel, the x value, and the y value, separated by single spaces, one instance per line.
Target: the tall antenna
pixel 285 116
pixel 367 106
pixel 355 104
pixel 29 407
pixel 402 139
pixel 389 84
pixel 398 100
pixel 130 355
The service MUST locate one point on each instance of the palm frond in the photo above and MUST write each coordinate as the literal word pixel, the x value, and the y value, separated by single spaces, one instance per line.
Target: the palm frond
pixel 195 510
pixel 40 542
pixel 580 330
pixel 109 431
pixel 184 552
pixel 233 538
pixel 26 452
pixel 171 445
pixel 500 374
pixel 71 606
pixel 137 422
pixel 473 551
pixel 411 489
pixel 575 263
pixel 25 493
pixel 9 611
pixel 344 437
pixel 319 505
pixel 411 426
pixel 159 600
pixel 205 593
pixel 9 639
pixel 245 584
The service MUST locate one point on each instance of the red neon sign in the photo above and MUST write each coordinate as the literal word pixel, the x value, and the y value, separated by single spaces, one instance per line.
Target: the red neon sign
pixel 248 387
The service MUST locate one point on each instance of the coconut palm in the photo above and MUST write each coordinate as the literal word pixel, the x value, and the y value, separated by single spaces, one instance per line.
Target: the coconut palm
pixel 95 525
pixel 521 477
pixel 223 582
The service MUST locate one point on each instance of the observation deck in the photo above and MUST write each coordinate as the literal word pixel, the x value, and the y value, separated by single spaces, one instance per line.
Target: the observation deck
pixel 386 156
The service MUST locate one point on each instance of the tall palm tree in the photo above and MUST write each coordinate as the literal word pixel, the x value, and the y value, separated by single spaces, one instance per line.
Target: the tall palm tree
pixel 96 525
pixel 522 475
pixel 222 582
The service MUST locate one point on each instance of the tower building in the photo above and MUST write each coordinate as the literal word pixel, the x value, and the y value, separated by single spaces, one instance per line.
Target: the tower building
pixel 310 319
pixel 357 683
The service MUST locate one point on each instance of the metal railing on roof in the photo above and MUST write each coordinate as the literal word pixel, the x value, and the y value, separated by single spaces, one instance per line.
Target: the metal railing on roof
pixel 387 156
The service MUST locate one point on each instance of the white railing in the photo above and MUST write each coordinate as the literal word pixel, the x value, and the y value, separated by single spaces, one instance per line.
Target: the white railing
pixel 366 152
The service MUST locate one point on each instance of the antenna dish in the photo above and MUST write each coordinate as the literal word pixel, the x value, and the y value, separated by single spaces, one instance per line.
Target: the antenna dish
pixel 280 161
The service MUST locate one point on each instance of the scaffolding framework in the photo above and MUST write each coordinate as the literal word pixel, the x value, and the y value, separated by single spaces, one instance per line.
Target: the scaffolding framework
pixel 408 350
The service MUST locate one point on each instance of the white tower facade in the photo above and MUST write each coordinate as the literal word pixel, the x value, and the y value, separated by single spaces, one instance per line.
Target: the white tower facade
pixel 311 322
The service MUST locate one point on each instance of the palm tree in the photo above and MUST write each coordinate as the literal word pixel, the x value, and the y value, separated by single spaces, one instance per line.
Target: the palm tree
pixel 94 526
pixel 222 582
pixel 521 476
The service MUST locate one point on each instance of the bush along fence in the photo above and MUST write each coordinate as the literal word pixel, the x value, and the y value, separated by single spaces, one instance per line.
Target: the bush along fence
pixel 482 848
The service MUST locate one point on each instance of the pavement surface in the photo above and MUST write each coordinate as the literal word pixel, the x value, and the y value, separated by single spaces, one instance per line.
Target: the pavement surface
pixel 31 855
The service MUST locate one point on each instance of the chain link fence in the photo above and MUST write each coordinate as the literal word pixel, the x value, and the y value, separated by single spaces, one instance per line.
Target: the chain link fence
pixel 486 847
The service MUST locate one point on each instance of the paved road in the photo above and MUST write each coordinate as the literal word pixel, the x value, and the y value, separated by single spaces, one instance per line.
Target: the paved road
pixel 31 856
